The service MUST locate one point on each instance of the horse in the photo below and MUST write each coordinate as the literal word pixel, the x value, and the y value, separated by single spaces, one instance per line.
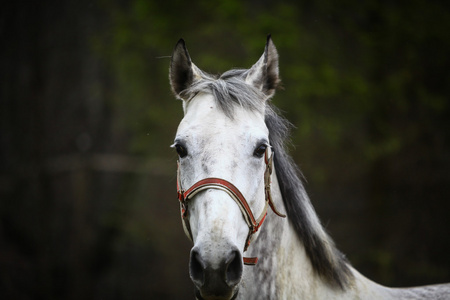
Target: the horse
pixel 240 192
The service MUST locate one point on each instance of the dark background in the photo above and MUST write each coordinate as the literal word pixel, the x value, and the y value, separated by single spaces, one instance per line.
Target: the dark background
pixel 87 178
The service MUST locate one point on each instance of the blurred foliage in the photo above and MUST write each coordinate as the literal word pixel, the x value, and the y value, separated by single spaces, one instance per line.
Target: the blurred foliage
pixel 366 85
pixel 365 80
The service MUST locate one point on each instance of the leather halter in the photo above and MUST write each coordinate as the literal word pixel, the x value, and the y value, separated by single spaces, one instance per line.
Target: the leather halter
pixel 226 186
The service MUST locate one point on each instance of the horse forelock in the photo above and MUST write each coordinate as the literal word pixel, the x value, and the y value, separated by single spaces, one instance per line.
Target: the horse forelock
pixel 229 90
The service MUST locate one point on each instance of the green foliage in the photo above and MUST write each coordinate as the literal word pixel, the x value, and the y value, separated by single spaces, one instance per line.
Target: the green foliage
pixel 356 77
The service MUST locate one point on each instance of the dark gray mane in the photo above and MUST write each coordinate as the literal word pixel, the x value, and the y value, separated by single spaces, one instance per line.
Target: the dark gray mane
pixel 327 261
pixel 230 90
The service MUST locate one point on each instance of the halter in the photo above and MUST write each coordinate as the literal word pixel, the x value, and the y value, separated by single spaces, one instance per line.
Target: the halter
pixel 226 186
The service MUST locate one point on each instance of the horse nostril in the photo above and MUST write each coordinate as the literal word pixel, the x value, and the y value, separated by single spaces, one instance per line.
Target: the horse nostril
pixel 211 280
pixel 197 268
pixel 234 268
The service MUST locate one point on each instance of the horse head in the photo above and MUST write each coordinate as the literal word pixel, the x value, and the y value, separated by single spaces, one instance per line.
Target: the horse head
pixel 224 165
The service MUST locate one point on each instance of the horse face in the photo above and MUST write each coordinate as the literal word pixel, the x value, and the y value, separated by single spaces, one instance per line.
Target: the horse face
pixel 211 144
pixel 226 142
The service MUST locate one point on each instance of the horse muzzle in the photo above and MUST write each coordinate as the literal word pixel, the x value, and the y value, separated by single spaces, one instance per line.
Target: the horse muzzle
pixel 219 279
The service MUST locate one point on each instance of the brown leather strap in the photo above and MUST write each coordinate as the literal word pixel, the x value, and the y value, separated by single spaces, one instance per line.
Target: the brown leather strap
pixel 221 184
pixel 250 261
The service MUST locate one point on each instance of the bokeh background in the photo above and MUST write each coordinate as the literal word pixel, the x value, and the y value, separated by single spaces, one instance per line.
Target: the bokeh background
pixel 87 178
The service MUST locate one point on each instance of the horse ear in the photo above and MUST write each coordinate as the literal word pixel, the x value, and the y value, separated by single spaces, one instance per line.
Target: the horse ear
pixel 182 72
pixel 264 74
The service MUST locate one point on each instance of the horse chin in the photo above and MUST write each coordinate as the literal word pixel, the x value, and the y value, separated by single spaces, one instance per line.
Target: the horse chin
pixel 200 296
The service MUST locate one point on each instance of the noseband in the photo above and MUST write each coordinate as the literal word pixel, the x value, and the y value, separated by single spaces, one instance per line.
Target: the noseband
pixel 226 186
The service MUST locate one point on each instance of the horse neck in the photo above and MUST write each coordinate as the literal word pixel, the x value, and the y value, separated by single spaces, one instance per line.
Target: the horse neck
pixel 284 270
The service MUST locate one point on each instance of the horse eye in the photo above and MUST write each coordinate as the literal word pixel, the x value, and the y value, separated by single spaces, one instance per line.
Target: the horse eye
pixel 260 150
pixel 182 151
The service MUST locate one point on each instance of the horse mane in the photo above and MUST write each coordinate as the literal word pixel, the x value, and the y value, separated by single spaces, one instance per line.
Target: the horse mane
pixel 230 90
pixel 325 258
